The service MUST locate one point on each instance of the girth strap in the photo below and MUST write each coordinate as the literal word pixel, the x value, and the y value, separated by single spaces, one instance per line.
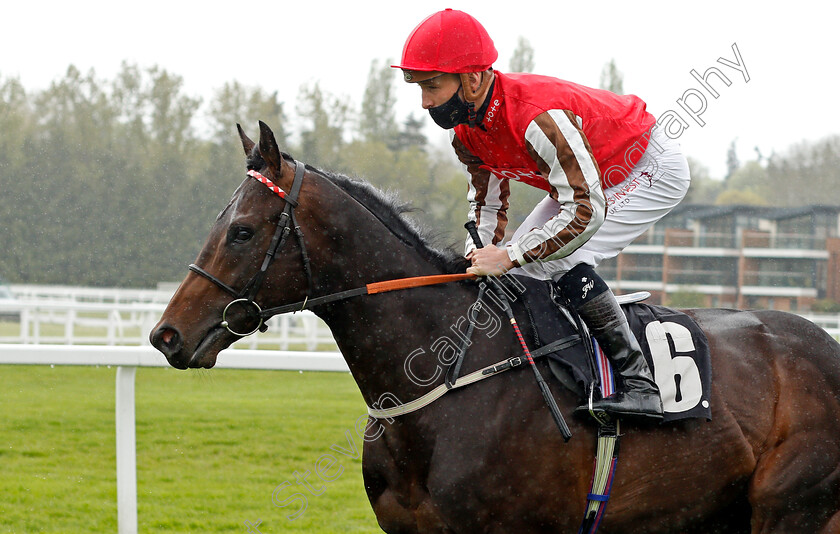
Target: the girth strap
pixel 606 459
pixel 466 380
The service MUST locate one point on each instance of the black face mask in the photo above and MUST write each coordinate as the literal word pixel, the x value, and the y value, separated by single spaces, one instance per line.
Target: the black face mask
pixel 451 113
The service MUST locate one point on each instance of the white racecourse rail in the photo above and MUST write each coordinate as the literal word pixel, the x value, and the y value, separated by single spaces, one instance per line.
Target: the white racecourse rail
pixel 114 316
pixel 127 360
pixel 77 322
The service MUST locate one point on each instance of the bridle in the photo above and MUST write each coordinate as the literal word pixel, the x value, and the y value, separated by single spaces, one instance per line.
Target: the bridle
pixel 285 225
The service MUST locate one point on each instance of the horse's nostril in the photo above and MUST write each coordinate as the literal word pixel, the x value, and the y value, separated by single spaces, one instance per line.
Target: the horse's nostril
pixel 167 340
pixel 166 336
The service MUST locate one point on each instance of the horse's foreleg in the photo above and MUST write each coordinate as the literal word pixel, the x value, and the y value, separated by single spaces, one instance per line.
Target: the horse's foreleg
pixel 401 503
pixel 394 518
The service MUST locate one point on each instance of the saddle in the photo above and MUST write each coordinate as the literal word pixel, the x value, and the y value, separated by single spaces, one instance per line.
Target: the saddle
pixel 675 347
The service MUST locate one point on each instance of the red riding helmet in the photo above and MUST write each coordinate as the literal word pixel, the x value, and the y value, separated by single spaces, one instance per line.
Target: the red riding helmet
pixel 448 41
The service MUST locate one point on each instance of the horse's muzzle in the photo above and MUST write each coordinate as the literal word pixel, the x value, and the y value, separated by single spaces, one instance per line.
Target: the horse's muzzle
pixel 168 340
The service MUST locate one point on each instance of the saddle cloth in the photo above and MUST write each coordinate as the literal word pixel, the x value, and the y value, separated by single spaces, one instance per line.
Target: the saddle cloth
pixel 675 347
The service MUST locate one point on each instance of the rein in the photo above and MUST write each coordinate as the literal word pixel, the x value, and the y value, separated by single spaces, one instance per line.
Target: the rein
pixel 368 289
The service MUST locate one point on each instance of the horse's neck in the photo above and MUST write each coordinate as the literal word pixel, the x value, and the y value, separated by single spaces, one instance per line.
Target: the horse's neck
pixel 392 341
pixel 377 333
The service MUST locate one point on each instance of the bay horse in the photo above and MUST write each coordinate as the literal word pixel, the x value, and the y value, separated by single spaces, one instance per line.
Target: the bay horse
pixel 488 457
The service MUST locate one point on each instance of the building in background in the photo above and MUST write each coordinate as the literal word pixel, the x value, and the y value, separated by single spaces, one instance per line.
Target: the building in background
pixel 735 256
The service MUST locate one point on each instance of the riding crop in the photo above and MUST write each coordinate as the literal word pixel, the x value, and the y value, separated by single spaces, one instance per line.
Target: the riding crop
pixel 546 393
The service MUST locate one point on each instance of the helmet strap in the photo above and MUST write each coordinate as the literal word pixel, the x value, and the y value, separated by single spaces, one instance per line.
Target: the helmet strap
pixel 471 115
pixel 473 97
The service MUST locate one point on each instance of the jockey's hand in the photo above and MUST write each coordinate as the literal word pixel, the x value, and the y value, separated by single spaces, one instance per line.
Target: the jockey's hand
pixel 489 261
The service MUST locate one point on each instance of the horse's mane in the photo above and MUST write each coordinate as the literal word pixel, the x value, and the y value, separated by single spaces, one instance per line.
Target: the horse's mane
pixel 391 212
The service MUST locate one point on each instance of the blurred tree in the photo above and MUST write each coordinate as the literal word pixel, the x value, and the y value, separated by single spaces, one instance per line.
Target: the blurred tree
pixel 612 79
pixel 747 185
pixel 168 200
pixel 73 173
pixel 740 197
pixel 372 161
pixel 16 123
pixel 806 173
pixel 324 118
pixel 106 181
pixel 522 200
pixel 522 59
pixel 732 162
pixel 376 121
pixel 704 189
pixel 438 190
pixel 19 197
pixel 170 111
pixel 236 104
pixel 411 135
pixel 109 183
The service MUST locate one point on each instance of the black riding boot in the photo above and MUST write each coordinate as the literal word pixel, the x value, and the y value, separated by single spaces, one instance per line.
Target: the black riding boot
pixel 589 295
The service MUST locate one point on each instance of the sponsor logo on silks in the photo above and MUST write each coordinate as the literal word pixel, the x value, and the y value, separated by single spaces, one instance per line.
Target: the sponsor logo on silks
pixel 524 175
pixel 491 113
pixel 588 285
pixel 518 175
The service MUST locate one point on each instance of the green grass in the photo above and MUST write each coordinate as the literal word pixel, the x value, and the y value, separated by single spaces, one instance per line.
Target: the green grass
pixel 212 447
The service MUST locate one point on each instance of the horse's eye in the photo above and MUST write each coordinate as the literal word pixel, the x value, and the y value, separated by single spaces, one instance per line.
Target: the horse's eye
pixel 240 234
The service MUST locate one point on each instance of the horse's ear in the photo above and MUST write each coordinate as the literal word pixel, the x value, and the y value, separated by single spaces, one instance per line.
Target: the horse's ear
pixel 247 144
pixel 269 149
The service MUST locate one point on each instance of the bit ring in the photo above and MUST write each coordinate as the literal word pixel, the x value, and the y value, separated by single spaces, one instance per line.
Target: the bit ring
pixel 226 324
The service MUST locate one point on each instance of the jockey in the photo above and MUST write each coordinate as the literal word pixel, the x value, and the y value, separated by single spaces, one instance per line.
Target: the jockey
pixel 608 172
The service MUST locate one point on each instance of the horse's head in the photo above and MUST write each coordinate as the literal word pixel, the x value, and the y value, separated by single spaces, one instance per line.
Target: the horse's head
pixel 236 271
pixel 257 255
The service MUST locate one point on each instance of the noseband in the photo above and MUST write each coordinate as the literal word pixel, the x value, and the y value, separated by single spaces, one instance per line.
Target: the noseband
pixel 285 224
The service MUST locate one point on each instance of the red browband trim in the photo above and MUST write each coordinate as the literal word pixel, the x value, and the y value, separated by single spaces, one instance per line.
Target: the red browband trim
pixel 268 183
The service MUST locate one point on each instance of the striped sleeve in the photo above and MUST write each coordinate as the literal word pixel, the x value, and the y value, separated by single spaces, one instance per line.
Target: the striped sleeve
pixel 556 142
pixel 488 198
